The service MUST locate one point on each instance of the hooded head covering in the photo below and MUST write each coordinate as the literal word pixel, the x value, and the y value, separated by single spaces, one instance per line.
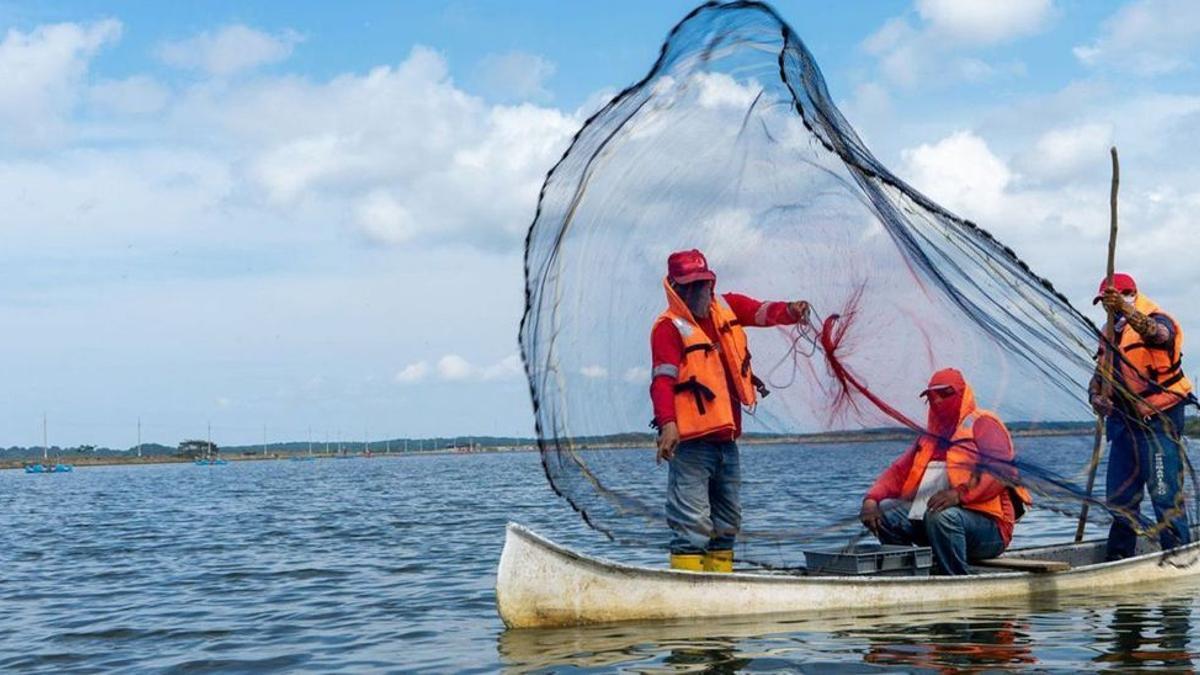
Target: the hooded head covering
pixel 950 399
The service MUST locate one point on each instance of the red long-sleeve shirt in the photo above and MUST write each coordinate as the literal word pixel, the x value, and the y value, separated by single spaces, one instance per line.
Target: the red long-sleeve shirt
pixel 666 348
pixel 991 440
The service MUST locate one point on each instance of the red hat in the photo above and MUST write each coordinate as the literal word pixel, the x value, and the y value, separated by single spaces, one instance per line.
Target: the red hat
pixel 1121 282
pixel 946 378
pixel 684 267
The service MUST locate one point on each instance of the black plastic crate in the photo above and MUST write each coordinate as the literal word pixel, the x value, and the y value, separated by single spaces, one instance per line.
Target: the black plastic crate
pixel 871 559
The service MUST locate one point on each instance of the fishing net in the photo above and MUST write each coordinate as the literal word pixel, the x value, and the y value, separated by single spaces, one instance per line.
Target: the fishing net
pixel 732 145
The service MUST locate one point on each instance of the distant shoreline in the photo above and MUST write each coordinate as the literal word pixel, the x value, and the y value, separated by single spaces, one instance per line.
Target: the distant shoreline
pixel 872 436
pixel 116 460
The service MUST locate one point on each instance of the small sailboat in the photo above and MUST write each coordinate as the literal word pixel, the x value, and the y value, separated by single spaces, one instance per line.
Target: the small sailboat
pixel 210 458
pixel 46 466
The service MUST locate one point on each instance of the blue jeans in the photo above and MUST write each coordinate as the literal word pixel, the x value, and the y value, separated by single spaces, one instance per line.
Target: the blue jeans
pixel 703 509
pixel 1146 455
pixel 956 535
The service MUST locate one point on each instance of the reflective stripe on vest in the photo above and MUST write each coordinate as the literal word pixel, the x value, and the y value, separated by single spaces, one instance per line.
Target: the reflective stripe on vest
pixel 703 403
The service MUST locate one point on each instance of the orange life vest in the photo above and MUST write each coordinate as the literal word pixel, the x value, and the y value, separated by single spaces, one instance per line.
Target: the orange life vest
pixel 703 403
pixel 1153 374
pixel 962 461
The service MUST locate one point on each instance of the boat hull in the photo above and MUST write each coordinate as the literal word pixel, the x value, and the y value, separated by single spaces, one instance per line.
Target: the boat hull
pixel 542 584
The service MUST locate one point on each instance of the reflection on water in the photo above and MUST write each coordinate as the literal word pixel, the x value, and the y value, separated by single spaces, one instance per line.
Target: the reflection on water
pixel 1106 632
pixel 1147 636
pixel 962 645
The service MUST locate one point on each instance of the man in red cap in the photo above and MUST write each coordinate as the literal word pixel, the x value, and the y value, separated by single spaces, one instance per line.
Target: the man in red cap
pixel 1144 406
pixel 953 489
pixel 700 380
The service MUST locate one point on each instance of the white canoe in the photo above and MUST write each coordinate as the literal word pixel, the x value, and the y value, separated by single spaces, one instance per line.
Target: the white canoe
pixel 542 584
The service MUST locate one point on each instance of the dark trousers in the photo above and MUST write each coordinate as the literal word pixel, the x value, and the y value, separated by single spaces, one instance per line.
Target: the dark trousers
pixel 1146 455
pixel 955 534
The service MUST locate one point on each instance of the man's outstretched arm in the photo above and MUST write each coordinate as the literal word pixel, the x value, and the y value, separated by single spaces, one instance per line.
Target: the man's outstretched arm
pixel 751 312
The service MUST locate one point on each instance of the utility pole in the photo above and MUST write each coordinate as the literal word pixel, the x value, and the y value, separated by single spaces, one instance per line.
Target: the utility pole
pixel 210 452
pixel 264 441
pixel 310 441
pixel 45 442
pixel 139 436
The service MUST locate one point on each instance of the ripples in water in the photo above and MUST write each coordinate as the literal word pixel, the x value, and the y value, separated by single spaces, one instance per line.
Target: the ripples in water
pixel 389 565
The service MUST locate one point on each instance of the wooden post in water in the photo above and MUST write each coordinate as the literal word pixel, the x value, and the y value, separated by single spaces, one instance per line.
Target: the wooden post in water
pixel 1107 360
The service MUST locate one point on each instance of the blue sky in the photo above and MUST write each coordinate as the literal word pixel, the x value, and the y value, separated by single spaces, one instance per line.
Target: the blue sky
pixel 309 214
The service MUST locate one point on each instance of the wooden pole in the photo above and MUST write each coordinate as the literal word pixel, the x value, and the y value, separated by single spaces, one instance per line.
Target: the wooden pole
pixel 1106 362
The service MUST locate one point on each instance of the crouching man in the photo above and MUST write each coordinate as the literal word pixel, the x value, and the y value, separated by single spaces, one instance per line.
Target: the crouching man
pixel 953 489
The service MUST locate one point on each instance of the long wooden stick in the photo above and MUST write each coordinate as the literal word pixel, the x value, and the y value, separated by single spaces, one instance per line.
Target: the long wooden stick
pixel 1106 362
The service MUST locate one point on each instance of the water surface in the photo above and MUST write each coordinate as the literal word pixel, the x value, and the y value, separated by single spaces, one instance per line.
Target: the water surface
pixel 389 565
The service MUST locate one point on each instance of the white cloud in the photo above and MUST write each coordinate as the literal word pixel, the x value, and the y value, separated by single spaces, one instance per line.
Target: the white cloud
pixel 637 374
pixel 594 372
pixel 515 76
pixel 43 72
pixel 408 156
pixel 229 50
pixel 932 54
pixel 505 368
pixel 1147 37
pixel 136 95
pixel 413 372
pixel 384 219
pixel 454 367
pixel 959 172
pixel 985 21
pixel 720 90
pixel 1063 152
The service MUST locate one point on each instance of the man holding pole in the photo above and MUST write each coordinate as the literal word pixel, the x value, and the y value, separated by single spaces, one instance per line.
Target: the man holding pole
pixel 1142 391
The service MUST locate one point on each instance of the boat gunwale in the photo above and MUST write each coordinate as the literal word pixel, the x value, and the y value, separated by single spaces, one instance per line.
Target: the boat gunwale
pixel 514 528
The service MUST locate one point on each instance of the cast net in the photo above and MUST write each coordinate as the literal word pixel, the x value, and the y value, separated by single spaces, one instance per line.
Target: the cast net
pixel 732 145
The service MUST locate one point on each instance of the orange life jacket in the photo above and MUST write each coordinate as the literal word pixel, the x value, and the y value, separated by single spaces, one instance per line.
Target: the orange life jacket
pixel 703 403
pixel 1153 374
pixel 962 462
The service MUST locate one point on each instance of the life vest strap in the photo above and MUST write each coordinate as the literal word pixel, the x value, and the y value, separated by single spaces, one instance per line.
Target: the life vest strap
pixel 1173 368
pixel 760 386
pixel 699 391
pixel 700 346
pixel 1145 345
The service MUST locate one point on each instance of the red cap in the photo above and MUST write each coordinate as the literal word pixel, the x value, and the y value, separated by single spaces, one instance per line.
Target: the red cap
pixel 1121 282
pixel 684 267
pixel 946 378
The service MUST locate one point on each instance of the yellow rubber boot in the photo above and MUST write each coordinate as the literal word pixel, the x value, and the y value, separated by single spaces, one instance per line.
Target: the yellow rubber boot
pixel 689 562
pixel 718 561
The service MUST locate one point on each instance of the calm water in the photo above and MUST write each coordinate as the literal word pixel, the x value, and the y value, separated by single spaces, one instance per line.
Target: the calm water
pixel 389 565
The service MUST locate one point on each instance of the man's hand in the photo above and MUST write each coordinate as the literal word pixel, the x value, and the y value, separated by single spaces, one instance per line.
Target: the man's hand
pixel 799 310
pixel 943 500
pixel 871 515
pixel 1102 405
pixel 668 440
pixel 1113 301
